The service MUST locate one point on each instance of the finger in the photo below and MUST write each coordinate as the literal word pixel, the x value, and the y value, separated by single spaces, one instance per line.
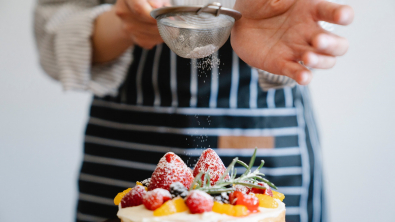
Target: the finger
pixel 330 44
pixel 317 61
pixel 147 41
pixel 334 13
pixel 167 4
pixel 158 3
pixel 297 72
pixel 141 10
pixel 133 27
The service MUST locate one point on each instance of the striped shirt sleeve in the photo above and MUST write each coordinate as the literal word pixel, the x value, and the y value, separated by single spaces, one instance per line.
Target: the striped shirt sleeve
pixel 63 30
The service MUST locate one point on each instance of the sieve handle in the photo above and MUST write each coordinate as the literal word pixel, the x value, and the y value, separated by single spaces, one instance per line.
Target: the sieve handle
pixel 216 4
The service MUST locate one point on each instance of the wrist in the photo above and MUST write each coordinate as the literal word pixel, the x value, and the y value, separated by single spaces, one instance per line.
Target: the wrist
pixel 118 28
pixel 109 40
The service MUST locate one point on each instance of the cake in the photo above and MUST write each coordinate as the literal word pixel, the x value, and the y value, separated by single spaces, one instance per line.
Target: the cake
pixel 210 193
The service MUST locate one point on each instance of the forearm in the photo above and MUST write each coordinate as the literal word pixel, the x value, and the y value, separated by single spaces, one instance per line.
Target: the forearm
pixel 109 41
pixel 63 34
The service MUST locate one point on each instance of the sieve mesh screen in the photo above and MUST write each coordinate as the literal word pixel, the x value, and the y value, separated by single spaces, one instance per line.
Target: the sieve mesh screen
pixel 192 35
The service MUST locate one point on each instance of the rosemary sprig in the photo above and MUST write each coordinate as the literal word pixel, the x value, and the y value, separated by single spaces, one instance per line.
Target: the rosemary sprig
pixel 249 178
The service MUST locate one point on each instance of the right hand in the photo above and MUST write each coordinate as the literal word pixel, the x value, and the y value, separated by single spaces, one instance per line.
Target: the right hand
pixel 137 22
pixel 275 35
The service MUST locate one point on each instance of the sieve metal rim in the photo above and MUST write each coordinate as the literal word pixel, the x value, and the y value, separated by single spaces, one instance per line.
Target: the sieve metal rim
pixel 195 8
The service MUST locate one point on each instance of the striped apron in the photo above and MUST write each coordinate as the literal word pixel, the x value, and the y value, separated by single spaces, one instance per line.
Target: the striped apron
pixel 167 103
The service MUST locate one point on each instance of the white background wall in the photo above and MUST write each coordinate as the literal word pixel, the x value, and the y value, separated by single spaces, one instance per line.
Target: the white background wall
pixel 41 127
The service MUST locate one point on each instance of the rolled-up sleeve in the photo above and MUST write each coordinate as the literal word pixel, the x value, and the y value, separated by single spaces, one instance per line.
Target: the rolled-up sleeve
pixel 63 31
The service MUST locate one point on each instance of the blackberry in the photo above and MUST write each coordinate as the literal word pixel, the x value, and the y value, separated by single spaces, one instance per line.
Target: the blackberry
pixel 222 198
pixel 178 190
pixel 146 182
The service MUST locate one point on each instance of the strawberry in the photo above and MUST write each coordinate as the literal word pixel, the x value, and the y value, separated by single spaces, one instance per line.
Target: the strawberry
pixel 210 161
pixel 199 202
pixel 153 199
pixel 134 197
pixel 250 201
pixel 170 169
pixel 266 191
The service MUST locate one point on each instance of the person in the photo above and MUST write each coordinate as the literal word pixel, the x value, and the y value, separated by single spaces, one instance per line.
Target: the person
pixel 148 101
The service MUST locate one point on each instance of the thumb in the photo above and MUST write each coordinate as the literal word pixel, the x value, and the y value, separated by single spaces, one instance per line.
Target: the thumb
pixel 159 3
pixel 142 9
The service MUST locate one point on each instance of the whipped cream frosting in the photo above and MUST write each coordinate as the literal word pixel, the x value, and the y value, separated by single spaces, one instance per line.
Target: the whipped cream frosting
pixel 141 214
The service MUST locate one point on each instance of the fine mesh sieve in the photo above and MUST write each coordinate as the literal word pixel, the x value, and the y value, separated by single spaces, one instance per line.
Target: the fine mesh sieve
pixel 195 31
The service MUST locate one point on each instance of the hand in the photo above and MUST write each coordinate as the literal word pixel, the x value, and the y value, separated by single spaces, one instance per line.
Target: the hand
pixel 137 21
pixel 275 35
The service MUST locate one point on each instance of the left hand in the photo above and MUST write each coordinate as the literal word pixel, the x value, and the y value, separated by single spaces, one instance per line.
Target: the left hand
pixel 275 35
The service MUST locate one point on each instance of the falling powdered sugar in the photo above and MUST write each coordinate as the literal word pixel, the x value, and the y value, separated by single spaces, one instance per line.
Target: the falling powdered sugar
pixel 209 62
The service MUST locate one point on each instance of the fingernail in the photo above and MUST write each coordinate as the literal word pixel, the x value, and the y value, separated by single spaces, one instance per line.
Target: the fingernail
pixel 154 4
pixel 304 78
pixel 344 17
pixel 323 42
pixel 313 59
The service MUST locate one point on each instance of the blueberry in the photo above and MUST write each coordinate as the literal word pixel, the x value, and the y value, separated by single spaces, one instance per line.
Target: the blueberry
pixel 177 189
pixel 146 182
pixel 222 198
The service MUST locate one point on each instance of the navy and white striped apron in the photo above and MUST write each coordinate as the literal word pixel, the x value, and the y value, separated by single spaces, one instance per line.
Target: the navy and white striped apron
pixel 168 104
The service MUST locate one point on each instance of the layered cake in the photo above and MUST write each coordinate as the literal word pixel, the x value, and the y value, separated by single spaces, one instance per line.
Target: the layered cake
pixel 210 193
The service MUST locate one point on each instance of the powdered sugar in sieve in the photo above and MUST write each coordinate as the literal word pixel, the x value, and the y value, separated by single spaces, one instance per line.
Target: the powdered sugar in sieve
pixel 200 52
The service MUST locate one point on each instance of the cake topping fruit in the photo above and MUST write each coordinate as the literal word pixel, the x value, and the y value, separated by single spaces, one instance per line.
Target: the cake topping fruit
pixel 199 202
pixel 176 205
pixel 278 195
pixel 242 188
pixel 239 198
pixel 210 162
pixel 170 169
pixel 266 191
pixel 177 189
pixel 146 182
pixel 120 195
pixel 249 178
pixel 134 197
pixel 172 182
pixel 221 198
pixel 266 201
pixel 231 210
pixel 153 199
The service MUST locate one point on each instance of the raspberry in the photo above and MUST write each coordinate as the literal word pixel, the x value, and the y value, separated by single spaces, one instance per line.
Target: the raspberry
pixel 266 191
pixel 242 189
pixel 178 190
pixel 199 202
pixel 209 160
pixel 153 199
pixel 170 169
pixel 250 201
pixel 134 197
pixel 120 195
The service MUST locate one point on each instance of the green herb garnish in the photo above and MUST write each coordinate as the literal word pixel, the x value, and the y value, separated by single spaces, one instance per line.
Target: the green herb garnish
pixel 248 178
